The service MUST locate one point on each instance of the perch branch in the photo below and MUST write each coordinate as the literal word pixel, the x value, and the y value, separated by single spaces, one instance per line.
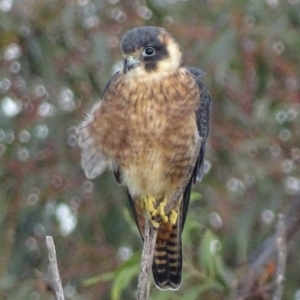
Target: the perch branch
pixel 54 268
pixel 267 252
pixel 150 233
pixel 146 261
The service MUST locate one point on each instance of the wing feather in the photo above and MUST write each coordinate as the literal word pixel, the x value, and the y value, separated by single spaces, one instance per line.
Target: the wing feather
pixel 93 161
pixel 202 118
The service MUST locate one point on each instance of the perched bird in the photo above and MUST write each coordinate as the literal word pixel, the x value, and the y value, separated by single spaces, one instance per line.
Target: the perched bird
pixel 144 129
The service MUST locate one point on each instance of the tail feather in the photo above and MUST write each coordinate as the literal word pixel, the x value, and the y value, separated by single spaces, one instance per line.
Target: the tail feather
pixel 167 262
pixel 175 258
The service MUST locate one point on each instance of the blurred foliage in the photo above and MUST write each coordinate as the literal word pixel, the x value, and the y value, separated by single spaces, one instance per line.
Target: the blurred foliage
pixel 55 59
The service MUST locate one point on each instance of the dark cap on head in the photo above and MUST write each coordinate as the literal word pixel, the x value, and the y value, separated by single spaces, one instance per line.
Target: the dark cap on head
pixel 139 37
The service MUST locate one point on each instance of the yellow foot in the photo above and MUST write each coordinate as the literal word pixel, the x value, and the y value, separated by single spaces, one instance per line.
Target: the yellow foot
pixel 154 213
pixel 173 217
pixel 149 203
pixel 162 213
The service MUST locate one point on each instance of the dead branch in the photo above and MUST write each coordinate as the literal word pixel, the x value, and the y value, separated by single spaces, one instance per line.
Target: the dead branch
pixel 281 257
pixel 267 253
pixel 54 268
pixel 147 260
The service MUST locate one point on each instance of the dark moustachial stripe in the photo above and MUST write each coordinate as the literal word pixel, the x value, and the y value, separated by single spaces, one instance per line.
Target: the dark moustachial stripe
pixel 142 37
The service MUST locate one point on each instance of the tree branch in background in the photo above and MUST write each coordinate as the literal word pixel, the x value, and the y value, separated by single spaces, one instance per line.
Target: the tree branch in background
pixel 274 249
pixel 54 268
pixel 281 257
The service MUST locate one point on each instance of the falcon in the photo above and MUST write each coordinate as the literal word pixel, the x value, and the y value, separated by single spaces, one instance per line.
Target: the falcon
pixel 145 130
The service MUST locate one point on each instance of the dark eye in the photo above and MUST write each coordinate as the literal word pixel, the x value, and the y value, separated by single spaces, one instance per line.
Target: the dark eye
pixel 149 51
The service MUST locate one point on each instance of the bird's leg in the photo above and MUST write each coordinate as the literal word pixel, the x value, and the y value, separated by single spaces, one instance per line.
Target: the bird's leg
pixel 149 202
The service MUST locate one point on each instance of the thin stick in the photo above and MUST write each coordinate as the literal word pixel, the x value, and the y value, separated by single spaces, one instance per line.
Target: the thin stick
pixel 54 268
pixel 147 260
pixel 281 257
pixel 268 251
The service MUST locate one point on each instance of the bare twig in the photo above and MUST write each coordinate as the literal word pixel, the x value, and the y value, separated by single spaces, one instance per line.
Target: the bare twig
pixel 281 257
pixel 150 232
pixel 54 268
pixel 266 253
pixel 147 260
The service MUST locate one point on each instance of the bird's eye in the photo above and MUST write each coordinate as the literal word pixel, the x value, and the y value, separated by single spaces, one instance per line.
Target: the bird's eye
pixel 149 51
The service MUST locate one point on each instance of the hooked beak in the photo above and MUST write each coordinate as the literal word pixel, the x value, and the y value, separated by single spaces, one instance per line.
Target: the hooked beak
pixel 130 63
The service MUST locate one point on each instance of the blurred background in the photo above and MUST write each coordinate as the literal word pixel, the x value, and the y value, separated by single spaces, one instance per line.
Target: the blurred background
pixel 55 59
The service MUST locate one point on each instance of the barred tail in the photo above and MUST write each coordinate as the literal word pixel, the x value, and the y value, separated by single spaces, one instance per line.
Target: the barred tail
pixel 167 262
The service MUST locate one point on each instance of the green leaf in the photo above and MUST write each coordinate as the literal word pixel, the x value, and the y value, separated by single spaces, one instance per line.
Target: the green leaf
pixel 196 196
pixel 108 276
pixel 195 291
pixel 124 274
pixel 208 254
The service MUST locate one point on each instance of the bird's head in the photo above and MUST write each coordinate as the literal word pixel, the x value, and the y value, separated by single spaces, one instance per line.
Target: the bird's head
pixel 149 52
